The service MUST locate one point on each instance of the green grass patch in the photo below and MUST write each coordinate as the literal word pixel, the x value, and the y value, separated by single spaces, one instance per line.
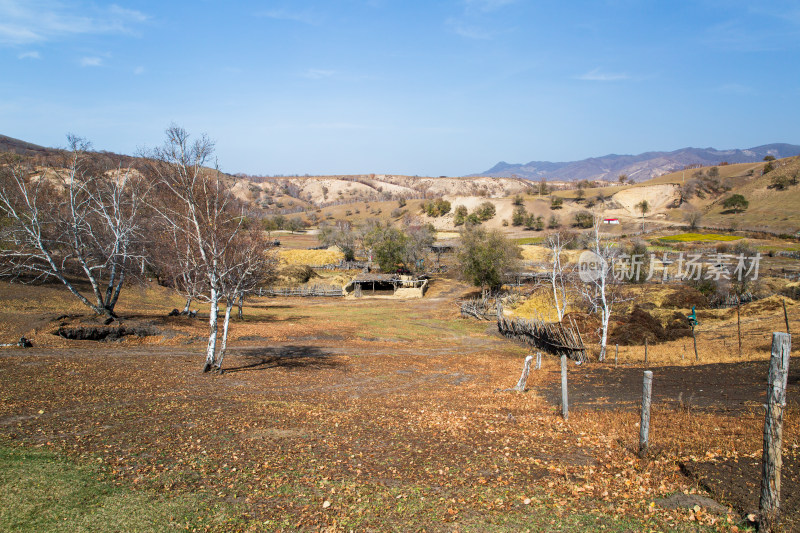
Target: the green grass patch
pixel 42 492
pixel 528 240
pixel 776 248
pixel 698 237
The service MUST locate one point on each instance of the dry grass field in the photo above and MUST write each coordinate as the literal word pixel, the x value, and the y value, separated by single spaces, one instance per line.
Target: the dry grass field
pixel 370 414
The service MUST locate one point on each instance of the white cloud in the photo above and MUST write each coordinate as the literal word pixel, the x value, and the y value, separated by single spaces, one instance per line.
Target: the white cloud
pixel 599 75
pixel 93 61
pixel 318 74
pixel 127 14
pixel 474 20
pixel 305 16
pixel 470 31
pixel 29 55
pixel 36 21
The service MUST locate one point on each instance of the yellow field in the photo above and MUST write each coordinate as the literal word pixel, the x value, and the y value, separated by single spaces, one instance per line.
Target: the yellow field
pixel 310 257
pixel 542 254
pixel 694 237
pixel 540 305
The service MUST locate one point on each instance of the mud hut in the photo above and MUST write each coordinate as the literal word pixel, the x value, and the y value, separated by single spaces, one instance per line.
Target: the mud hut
pixel 368 284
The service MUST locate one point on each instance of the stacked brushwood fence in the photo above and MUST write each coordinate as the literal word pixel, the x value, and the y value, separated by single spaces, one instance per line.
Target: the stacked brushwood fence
pixel 342 265
pixel 313 291
pixel 556 338
pixel 480 308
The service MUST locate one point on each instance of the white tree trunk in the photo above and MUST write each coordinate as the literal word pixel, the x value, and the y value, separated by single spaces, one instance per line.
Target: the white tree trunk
pixel 211 350
pixel 225 323
pixel 605 318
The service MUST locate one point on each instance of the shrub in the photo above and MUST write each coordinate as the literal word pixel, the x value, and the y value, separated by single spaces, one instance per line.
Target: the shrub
pixel 485 257
pixel 583 219
pixel 518 216
pixel 783 181
pixel 737 202
pixel 556 202
pixel 534 223
pixel 460 215
pixel 693 218
pixel 436 208
pixel 485 211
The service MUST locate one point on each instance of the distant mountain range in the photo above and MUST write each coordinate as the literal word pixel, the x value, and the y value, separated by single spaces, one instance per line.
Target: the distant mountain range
pixel 637 167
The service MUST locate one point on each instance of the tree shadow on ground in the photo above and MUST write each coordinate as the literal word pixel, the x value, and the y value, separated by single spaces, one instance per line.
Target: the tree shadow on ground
pixel 290 357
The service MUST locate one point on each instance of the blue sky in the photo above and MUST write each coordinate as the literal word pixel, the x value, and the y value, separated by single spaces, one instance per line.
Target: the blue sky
pixel 402 86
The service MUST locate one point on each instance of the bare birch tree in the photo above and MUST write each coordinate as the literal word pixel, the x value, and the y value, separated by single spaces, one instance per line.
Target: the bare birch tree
pixel 247 262
pixel 600 288
pixel 557 277
pixel 79 220
pixel 200 206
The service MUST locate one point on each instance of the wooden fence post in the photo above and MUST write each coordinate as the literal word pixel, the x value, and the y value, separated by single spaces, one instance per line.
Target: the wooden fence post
pixel 694 339
pixel 769 504
pixel 644 425
pixel 538 361
pixel 523 379
pixel 645 352
pixel 616 354
pixel 786 317
pixel 739 325
pixel 564 398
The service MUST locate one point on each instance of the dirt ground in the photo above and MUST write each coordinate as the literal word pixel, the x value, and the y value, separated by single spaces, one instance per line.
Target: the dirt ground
pixel 737 389
pixel 384 415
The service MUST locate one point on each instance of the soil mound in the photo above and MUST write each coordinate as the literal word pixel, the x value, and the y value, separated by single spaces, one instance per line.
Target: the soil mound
pixel 640 325
pixel 297 274
pixel 773 304
pixel 683 297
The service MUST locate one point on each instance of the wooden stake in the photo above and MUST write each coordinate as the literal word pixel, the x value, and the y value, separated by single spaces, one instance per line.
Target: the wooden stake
pixel 645 352
pixel 538 360
pixel 564 398
pixel 769 504
pixel 616 354
pixel 696 357
pixel 739 325
pixel 786 317
pixel 644 426
pixel 523 379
